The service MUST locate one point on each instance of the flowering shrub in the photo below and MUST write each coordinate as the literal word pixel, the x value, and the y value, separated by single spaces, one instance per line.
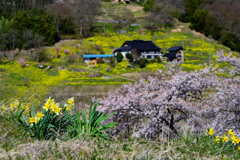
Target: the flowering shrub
pixel 47 123
pixel 66 51
pixel 21 61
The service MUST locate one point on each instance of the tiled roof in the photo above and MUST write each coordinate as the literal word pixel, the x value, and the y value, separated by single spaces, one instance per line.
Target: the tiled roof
pixel 142 45
pixel 175 49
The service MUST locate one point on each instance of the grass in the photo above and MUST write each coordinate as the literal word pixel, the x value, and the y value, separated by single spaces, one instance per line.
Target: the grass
pixel 186 146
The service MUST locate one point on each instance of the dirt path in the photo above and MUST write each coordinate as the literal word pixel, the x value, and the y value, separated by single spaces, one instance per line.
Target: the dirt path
pixel 134 8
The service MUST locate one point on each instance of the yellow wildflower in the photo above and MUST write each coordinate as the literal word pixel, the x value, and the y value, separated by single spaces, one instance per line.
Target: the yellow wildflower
pixel 224 138
pixel 22 107
pixel 210 131
pixel 239 148
pixel 31 120
pixel 12 105
pixel 46 106
pixel 217 139
pixel 36 119
pixel 68 108
pixel 231 133
pixel 53 107
pixel 57 110
pixel 3 108
pixel 71 101
pixel 39 115
pixel 49 100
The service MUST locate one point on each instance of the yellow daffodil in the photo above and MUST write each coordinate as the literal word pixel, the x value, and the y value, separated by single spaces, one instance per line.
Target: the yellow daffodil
pixel 12 105
pixel 3 108
pixel 53 107
pixel 71 101
pixel 36 119
pixel 22 107
pixel 31 120
pixel 68 108
pixel 49 100
pixel 239 148
pixel 210 131
pixel 217 139
pixel 230 133
pixel 39 115
pixel 57 110
pixel 46 106
pixel 224 138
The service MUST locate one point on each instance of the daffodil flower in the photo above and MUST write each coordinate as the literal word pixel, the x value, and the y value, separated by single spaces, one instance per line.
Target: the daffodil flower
pixel 39 115
pixel 210 131
pixel 58 111
pixel 46 106
pixel 224 138
pixel 31 120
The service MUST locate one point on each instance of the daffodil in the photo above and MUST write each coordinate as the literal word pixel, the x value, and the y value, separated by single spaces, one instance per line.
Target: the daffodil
pixel 231 134
pixel 22 107
pixel 53 107
pixel 71 101
pixel 68 108
pixel 12 105
pixel 217 139
pixel 36 119
pixel 31 120
pixel 239 148
pixel 46 106
pixel 39 115
pixel 58 111
pixel 224 138
pixel 3 108
pixel 210 131
pixel 49 100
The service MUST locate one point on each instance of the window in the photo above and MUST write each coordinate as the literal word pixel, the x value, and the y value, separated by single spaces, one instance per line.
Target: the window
pixel 149 57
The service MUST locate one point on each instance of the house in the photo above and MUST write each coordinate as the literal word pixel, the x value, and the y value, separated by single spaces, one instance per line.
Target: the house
pixel 175 53
pixel 87 58
pixel 146 49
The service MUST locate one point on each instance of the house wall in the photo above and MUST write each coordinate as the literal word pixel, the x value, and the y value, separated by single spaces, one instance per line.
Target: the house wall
pixel 181 53
pixel 151 54
pixel 123 53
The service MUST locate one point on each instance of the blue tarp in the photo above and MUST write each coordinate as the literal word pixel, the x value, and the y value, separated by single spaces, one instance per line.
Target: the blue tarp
pixel 98 56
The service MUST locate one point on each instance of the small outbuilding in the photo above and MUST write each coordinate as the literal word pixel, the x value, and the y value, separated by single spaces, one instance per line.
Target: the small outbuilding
pixel 175 52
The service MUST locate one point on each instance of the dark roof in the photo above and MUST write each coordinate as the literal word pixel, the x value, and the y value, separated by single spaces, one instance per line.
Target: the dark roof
pixel 171 55
pixel 175 49
pixel 142 45
pixel 125 48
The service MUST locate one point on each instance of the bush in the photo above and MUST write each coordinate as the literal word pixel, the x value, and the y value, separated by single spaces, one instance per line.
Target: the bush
pixel 159 59
pixel 119 57
pixel 142 63
pixel 129 57
pixel 100 61
pixel 111 60
pixel 152 61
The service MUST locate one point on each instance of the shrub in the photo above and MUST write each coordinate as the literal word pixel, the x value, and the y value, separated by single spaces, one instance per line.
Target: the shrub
pixel 21 61
pixel 100 61
pixel 159 59
pixel 152 61
pixel 111 60
pixel 142 63
pixel 119 57
pixel 129 57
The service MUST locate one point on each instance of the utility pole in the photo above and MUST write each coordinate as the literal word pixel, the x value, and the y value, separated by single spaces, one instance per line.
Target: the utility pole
pixel 183 50
pixel 210 37
pixel 104 26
